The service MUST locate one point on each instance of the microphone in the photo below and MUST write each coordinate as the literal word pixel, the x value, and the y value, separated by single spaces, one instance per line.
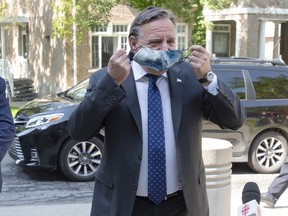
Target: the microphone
pixel 250 198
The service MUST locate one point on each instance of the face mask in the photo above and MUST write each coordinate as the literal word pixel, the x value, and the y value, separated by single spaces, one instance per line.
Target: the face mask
pixel 158 60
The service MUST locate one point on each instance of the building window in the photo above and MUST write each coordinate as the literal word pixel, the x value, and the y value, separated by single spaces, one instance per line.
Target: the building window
pixel 221 40
pixel 102 28
pixel 182 36
pixel 120 28
pixel 95 50
pixel 23 42
pixel 124 43
pixel 105 41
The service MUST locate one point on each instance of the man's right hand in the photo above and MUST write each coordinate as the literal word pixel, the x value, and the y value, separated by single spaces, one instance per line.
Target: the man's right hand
pixel 119 66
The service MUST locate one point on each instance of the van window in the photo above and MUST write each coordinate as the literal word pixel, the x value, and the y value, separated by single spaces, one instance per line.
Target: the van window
pixel 234 79
pixel 270 84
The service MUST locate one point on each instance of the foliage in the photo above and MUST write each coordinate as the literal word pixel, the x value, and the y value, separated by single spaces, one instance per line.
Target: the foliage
pixel 189 10
pixel 88 13
pixel 3 8
pixel 181 8
pixel 14 110
pixel 216 4
pixel 271 87
pixel 199 26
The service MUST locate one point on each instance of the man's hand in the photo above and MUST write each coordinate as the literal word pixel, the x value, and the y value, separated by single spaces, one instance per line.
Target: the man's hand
pixel 119 66
pixel 200 60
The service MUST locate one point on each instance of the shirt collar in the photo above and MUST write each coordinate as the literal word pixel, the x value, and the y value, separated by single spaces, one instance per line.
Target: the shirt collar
pixel 139 72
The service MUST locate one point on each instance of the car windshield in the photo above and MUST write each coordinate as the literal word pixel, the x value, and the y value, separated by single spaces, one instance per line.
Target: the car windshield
pixel 78 91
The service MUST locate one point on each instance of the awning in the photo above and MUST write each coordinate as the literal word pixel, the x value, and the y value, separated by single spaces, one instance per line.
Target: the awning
pixel 14 20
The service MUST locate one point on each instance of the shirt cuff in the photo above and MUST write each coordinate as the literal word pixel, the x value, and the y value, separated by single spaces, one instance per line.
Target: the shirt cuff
pixel 213 87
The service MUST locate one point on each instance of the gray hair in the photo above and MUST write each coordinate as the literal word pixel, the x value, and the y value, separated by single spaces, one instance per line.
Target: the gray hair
pixel 149 14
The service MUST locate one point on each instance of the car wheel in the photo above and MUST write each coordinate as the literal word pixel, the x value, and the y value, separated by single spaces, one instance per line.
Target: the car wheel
pixel 78 160
pixel 268 152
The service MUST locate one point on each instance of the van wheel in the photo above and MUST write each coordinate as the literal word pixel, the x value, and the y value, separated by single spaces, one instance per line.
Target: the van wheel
pixel 268 152
pixel 78 160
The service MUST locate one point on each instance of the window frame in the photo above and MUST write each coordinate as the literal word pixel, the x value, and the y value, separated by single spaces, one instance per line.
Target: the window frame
pixel 107 31
pixel 122 39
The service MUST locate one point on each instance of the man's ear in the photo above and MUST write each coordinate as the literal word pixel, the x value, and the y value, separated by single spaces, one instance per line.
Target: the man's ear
pixel 133 43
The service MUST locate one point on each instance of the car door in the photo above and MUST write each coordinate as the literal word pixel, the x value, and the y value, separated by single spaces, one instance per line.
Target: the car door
pixel 237 79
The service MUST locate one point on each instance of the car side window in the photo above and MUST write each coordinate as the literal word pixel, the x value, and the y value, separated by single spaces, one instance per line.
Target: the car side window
pixel 78 91
pixel 270 84
pixel 234 79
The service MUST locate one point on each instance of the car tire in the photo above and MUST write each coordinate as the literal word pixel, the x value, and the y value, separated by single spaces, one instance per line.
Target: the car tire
pixel 268 152
pixel 78 160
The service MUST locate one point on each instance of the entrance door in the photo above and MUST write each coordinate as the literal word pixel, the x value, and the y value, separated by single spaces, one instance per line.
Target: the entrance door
pixel 109 46
pixel 221 44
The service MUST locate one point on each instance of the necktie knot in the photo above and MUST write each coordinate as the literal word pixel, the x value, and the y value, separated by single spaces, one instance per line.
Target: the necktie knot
pixel 152 80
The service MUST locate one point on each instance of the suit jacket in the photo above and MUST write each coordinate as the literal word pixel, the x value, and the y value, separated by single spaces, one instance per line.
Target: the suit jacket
pixel 7 129
pixel 117 109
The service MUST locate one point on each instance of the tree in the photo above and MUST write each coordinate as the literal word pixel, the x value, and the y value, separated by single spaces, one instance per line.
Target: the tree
pixel 90 13
pixel 189 10
pixel 3 8
pixel 85 14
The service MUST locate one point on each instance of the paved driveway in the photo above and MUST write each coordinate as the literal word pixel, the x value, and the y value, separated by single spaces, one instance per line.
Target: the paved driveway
pixel 37 192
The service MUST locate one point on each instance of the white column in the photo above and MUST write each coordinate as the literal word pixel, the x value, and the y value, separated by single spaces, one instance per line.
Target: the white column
pixel 261 39
pixel 217 156
pixel 3 54
pixel 238 38
pixel 209 40
pixel 276 40
pixel 74 43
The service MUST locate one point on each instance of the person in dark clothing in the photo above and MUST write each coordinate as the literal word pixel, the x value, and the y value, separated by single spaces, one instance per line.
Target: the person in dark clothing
pixel 151 103
pixel 7 129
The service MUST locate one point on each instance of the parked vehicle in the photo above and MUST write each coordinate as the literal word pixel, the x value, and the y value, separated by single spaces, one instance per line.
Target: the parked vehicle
pixel 42 138
pixel 263 89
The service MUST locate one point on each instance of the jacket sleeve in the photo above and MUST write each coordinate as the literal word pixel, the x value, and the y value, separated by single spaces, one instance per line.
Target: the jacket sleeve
pixel 101 96
pixel 7 129
pixel 224 109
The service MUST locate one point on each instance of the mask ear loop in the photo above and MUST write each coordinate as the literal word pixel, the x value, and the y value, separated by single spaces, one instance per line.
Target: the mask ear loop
pixel 132 53
pixel 137 48
pixel 186 53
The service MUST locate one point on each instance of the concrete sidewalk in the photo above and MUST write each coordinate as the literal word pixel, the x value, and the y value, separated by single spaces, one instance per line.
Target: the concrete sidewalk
pixel 280 209
pixel 83 209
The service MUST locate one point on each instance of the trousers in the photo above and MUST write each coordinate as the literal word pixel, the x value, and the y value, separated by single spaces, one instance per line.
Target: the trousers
pixel 172 206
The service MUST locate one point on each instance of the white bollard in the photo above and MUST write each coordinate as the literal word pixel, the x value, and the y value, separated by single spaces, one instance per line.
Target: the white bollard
pixel 217 156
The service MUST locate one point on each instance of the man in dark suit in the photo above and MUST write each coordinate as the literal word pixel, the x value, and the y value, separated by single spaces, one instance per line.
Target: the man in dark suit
pixel 7 129
pixel 118 98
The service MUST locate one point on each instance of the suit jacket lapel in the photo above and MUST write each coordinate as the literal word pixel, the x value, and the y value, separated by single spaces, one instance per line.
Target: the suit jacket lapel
pixel 132 100
pixel 176 86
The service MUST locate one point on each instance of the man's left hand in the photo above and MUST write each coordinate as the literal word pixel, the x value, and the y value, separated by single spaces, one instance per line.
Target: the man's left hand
pixel 200 61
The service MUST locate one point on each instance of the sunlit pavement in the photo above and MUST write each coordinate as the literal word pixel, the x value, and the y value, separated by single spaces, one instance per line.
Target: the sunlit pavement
pixel 83 209
pixel 281 207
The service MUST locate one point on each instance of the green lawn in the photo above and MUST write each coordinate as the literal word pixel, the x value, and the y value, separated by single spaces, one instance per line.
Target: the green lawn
pixel 14 110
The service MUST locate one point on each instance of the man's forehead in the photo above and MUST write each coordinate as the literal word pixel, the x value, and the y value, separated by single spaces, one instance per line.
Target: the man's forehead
pixel 160 36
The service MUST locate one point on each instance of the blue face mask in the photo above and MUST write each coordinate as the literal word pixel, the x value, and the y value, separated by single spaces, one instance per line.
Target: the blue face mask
pixel 158 60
